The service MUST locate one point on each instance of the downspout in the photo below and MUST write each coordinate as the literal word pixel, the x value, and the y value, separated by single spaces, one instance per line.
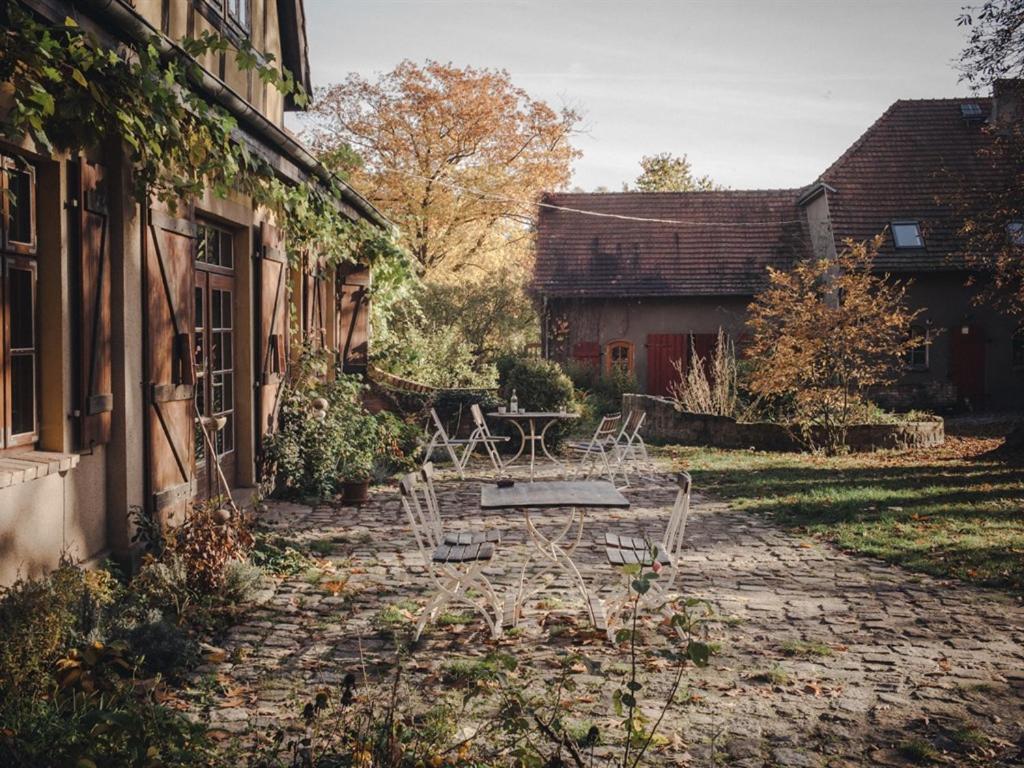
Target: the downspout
pixel 133 26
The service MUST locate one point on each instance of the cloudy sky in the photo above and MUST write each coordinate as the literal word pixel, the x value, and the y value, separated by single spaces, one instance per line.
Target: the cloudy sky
pixel 762 93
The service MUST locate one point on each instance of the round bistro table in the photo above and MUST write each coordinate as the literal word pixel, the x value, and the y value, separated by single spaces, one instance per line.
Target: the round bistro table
pixel 531 435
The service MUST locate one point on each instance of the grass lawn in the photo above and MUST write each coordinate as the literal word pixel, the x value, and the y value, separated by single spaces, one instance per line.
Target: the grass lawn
pixel 951 511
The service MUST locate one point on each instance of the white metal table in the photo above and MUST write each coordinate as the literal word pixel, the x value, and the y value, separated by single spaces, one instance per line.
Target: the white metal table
pixel 575 495
pixel 534 438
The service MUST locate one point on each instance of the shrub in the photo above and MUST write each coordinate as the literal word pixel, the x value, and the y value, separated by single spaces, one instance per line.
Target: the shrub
pixel 602 390
pixel 313 445
pixel 540 385
pixel 709 385
pixel 206 544
pixel 398 445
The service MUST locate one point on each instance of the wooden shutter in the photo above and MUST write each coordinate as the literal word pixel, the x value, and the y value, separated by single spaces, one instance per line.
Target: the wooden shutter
pixel 354 317
pixel 662 350
pixel 169 363
pixel 95 400
pixel 587 353
pixel 271 327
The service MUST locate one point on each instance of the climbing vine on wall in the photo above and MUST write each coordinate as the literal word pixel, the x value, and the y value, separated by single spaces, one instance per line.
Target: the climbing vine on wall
pixel 68 92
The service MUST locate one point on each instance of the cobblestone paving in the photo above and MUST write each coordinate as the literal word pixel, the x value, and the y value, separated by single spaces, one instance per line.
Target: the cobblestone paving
pixel 823 659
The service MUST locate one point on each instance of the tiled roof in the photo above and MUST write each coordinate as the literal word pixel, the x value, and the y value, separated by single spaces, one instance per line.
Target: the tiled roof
pixel 908 165
pixel 721 245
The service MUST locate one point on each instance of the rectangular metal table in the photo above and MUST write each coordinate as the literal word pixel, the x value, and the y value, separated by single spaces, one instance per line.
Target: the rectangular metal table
pixel 575 495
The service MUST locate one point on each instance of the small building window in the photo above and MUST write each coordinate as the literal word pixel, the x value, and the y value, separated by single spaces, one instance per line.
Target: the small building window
pixel 619 357
pixel 917 356
pixel 1015 231
pixel 19 339
pixel 907 234
pixel 1018 348
pixel 238 12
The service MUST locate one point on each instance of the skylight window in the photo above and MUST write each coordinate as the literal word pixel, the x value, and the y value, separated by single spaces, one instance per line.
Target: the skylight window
pixel 1015 229
pixel 907 234
pixel 970 111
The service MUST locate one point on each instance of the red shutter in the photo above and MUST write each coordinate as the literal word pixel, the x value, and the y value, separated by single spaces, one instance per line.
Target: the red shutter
pixel 354 317
pixel 587 353
pixel 169 364
pixel 271 327
pixel 662 350
pixel 95 400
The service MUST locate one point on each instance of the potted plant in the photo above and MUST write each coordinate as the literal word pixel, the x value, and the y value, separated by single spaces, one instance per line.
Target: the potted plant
pixel 357 458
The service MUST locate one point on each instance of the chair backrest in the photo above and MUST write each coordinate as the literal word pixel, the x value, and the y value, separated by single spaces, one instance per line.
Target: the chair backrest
pixel 677 520
pixel 439 425
pixel 607 430
pixel 478 418
pixel 430 494
pixel 639 417
pixel 426 527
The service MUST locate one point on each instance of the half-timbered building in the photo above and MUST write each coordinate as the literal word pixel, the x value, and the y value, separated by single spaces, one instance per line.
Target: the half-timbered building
pixel 127 330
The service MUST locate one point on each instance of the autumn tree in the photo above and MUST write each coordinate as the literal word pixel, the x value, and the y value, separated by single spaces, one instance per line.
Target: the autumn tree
pixel 824 333
pixel 456 157
pixel 995 41
pixel 665 172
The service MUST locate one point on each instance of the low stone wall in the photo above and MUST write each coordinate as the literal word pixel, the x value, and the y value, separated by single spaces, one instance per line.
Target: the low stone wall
pixel 665 424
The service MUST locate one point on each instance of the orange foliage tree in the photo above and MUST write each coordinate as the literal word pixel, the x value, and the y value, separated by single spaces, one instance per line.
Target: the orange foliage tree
pixel 824 333
pixel 457 157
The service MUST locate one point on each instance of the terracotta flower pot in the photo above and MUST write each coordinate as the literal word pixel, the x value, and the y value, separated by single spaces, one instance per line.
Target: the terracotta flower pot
pixel 354 492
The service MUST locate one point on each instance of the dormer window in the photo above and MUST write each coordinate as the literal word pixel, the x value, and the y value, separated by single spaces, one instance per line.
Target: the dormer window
pixel 907 234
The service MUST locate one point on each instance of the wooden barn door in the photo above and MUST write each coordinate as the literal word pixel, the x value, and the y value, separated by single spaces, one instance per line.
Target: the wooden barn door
pixel 95 400
pixel 662 350
pixel 353 302
pixel 271 323
pixel 169 373
pixel 967 363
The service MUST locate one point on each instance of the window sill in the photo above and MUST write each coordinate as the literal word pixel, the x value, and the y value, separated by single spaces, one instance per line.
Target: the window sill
pixel 18 468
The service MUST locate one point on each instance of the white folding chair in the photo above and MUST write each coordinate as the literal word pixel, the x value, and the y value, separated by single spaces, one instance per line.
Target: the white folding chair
pixel 434 507
pixel 599 450
pixel 439 439
pixel 667 551
pixel 455 569
pixel 630 449
pixel 482 436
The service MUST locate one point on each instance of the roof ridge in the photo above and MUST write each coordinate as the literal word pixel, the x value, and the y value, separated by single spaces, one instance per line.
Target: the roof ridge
pixel 638 193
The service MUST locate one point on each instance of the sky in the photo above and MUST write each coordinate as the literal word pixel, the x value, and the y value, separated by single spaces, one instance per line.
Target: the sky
pixel 758 94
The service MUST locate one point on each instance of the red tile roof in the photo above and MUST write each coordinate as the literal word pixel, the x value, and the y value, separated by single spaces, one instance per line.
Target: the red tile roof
pixel 721 245
pixel 909 165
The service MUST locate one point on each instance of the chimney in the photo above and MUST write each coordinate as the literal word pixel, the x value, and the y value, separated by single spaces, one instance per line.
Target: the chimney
pixel 1008 104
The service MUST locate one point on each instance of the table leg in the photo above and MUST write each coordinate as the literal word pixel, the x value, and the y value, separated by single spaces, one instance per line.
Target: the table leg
pixel 560 557
pixel 522 443
pixel 544 447
pixel 533 446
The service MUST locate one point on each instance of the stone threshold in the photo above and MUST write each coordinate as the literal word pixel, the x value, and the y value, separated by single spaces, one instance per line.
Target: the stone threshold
pixel 18 468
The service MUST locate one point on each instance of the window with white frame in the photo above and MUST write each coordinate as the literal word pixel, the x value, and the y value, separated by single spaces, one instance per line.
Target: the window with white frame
pixel 19 338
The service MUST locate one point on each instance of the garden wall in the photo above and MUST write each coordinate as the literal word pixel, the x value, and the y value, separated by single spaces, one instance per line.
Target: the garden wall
pixel 665 424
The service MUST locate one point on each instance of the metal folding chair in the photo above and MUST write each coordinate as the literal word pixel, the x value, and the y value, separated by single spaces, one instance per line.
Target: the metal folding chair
pixel 482 436
pixel 666 551
pixel 599 451
pixel 439 439
pixel 454 569
pixel 630 449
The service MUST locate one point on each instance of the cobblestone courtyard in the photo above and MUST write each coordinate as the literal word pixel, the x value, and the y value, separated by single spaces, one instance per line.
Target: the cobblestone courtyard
pixel 822 659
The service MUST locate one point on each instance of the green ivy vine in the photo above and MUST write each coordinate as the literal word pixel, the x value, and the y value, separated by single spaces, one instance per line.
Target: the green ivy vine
pixel 68 92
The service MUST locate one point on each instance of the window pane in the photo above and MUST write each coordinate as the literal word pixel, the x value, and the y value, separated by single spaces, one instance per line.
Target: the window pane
pixel 199 308
pixel 226 317
pixel 907 235
pixel 22 307
pixel 229 434
pixel 216 306
pixel 227 257
pixel 20 219
pixel 23 394
pixel 199 448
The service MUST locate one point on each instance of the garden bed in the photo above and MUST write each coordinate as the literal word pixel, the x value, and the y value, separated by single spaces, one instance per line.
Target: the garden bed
pixel 666 424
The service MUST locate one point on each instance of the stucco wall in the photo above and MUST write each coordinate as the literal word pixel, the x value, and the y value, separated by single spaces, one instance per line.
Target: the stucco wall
pixel 632 319
pixel 946 301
